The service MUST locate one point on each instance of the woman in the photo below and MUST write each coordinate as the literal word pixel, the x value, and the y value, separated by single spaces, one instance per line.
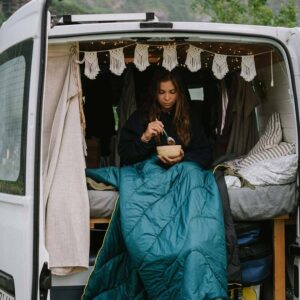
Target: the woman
pixel 166 236
pixel 168 109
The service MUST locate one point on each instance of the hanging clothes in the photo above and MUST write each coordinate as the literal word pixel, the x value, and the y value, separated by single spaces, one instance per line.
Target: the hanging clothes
pixel 127 104
pixel 224 104
pixel 226 98
pixel 244 131
pixel 126 107
pixel 98 109
pixel 98 106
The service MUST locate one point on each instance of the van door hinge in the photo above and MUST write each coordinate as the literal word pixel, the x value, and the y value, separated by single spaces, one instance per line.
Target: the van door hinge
pixel 45 282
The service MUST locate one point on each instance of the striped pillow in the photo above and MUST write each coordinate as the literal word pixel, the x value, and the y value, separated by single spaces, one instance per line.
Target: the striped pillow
pixel 272 135
pixel 277 151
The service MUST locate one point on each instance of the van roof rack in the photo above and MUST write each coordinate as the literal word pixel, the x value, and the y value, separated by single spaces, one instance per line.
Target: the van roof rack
pixel 106 18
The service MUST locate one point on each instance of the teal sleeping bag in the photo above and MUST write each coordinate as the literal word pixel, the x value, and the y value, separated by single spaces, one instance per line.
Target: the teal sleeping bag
pixel 166 237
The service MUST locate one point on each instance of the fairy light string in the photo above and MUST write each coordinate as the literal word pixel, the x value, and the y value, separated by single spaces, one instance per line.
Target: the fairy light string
pixel 170 59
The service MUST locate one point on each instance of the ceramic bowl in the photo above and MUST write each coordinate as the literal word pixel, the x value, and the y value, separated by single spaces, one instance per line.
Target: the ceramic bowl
pixel 170 151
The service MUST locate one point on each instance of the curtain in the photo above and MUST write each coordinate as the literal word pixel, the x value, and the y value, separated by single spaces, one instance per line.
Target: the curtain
pixel 65 192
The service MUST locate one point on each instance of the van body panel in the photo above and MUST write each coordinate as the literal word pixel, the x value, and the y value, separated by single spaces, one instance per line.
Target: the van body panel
pixel 178 27
pixel 17 232
pixel 20 77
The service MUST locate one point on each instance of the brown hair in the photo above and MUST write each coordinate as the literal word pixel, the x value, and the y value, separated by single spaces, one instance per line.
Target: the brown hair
pixel 181 118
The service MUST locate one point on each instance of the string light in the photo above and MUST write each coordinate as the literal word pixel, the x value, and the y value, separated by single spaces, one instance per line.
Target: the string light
pixel 209 57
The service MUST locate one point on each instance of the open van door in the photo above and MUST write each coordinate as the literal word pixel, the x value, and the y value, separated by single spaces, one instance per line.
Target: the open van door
pixel 22 67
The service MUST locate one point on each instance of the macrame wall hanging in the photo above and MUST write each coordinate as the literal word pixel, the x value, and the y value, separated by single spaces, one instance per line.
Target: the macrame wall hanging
pixel 193 58
pixel 220 66
pixel 170 60
pixel 248 70
pixel 117 61
pixel 169 57
pixel 91 67
pixel 141 57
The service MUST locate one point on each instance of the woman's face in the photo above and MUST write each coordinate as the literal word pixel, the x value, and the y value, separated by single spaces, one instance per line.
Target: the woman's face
pixel 167 95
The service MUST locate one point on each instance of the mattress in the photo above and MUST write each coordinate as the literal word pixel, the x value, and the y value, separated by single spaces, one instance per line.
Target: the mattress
pixel 102 203
pixel 263 203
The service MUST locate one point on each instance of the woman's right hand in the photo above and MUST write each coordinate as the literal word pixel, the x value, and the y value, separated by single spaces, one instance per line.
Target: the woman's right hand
pixel 154 128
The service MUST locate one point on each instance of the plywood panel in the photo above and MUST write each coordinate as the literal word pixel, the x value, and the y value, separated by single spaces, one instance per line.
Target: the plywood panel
pixel 284 107
pixel 287 120
pixel 279 99
pixel 289 135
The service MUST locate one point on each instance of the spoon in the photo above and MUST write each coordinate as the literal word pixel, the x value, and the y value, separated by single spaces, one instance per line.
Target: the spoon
pixel 170 140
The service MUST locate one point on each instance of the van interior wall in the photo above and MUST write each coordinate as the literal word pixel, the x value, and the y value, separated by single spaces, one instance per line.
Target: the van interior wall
pixel 278 99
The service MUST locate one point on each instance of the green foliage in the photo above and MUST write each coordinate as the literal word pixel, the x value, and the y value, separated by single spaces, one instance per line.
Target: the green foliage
pixel 227 11
pixel 168 9
pixel 256 12
pixel 66 7
pixel 287 15
pixel 2 18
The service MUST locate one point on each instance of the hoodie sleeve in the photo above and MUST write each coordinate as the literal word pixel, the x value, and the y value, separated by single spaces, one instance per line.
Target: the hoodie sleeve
pixel 131 148
pixel 199 149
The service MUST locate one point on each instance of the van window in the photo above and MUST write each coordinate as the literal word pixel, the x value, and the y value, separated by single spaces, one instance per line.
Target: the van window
pixel 14 90
pixel 196 94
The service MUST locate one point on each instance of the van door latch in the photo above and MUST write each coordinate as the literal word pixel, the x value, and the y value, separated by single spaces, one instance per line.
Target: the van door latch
pixel 45 282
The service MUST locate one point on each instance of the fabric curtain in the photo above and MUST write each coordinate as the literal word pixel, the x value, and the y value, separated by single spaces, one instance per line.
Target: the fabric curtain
pixel 65 192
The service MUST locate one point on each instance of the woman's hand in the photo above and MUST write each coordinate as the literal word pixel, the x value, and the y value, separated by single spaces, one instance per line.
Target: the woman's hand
pixel 172 161
pixel 154 128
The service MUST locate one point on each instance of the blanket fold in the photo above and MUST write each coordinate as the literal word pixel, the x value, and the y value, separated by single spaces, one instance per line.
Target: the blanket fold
pixel 166 236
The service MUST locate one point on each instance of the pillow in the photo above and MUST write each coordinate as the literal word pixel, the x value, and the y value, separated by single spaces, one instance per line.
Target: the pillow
pixel 272 135
pixel 280 170
pixel 277 151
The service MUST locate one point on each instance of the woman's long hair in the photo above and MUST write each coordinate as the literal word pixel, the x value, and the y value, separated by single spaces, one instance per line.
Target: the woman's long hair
pixel 181 118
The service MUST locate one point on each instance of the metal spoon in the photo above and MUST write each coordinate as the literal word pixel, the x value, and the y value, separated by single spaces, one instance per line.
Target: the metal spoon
pixel 170 140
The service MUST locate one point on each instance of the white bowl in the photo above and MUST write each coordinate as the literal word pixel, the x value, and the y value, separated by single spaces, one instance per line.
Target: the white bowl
pixel 170 151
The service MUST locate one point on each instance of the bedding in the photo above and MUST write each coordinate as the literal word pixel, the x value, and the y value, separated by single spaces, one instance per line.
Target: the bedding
pixel 263 203
pixel 102 203
pixel 274 193
pixel 166 237
pixel 276 171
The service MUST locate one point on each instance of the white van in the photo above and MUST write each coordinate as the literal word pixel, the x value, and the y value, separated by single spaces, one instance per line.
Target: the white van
pixel 49 236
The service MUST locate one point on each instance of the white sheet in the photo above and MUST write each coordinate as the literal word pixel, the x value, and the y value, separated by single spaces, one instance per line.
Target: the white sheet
pixel 276 171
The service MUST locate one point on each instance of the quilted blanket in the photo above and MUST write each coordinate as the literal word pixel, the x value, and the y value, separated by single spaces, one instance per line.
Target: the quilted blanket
pixel 166 237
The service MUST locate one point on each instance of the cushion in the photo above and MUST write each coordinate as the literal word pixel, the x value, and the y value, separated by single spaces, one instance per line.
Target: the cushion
pixel 276 151
pixel 279 170
pixel 272 135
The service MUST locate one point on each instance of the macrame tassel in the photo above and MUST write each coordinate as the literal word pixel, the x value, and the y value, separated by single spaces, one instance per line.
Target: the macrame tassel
pixel 117 61
pixel 141 60
pixel 248 70
pixel 220 66
pixel 193 58
pixel 170 57
pixel 91 67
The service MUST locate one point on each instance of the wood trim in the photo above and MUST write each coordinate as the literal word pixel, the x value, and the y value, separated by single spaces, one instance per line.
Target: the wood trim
pixel 95 221
pixel 279 256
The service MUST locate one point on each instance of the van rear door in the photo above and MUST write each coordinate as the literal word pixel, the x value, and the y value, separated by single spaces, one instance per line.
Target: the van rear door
pixel 22 67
